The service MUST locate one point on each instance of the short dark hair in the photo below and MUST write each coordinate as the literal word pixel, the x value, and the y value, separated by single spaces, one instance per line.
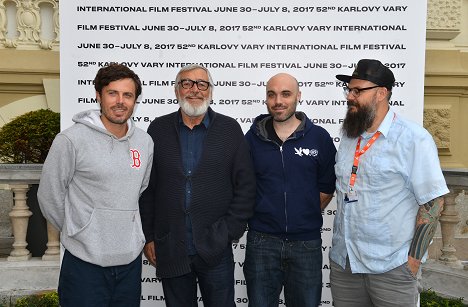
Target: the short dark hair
pixel 114 72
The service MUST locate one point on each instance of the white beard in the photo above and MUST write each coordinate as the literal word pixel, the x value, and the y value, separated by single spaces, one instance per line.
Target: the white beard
pixel 194 111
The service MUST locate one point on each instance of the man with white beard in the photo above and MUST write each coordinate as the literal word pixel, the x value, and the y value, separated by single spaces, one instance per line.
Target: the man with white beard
pixel 389 192
pixel 200 195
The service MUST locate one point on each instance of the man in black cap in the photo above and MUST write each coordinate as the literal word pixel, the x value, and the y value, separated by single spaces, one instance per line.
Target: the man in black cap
pixel 389 196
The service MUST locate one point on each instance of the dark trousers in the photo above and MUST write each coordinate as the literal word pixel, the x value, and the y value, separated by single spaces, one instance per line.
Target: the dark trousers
pixel 216 284
pixel 272 263
pixel 84 284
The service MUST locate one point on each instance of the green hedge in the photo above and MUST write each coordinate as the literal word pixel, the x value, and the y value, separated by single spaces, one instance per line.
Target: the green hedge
pixel 48 299
pixel 430 299
pixel 28 137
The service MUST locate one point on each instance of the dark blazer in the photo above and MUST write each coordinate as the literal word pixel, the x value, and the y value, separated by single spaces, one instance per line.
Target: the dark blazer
pixel 223 194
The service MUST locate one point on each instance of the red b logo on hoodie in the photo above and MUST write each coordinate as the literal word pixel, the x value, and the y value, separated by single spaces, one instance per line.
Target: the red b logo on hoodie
pixel 136 158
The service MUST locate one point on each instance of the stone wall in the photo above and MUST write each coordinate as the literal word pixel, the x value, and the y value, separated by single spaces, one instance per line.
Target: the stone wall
pixel 6 234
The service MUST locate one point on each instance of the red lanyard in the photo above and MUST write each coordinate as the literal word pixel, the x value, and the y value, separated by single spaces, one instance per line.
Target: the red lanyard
pixel 358 153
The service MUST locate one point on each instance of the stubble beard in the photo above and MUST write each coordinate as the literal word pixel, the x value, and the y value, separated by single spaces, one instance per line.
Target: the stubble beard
pixel 282 118
pixel 117 120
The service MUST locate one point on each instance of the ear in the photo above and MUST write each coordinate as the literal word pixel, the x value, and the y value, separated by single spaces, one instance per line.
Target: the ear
pixel 382 93
pixel 98 97
pixel 299 96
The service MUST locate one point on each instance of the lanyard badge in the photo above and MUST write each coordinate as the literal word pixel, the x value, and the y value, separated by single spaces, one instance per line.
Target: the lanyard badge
pixel 351 195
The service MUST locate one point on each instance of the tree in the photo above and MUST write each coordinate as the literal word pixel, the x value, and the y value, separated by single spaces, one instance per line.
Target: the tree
pixel 28 137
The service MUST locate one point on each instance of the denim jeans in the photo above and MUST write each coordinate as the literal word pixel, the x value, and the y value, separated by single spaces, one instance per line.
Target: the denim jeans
pixel 271 263
pixel 216 284
pixel 85 284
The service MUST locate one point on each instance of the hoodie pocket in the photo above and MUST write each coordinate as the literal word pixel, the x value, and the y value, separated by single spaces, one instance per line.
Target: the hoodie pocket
pixel 112 232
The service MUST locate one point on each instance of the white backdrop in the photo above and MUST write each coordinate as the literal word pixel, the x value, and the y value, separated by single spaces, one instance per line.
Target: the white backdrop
pixel 242 44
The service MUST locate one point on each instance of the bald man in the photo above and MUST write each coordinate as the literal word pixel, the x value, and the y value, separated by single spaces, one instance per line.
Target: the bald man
pixel 294 164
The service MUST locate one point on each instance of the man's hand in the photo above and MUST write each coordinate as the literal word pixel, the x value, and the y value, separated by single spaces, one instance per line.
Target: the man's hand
pixel 426 224
pixel 413 265
pixel 150 253
pixel 325 200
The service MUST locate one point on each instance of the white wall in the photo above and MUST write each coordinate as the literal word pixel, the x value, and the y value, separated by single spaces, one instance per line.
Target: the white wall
pixel 253 40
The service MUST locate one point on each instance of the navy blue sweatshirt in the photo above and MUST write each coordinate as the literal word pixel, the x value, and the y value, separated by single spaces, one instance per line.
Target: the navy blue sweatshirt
pixel 290 177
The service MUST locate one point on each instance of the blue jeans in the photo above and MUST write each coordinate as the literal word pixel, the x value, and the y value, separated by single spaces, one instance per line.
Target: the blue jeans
pixel 216 284
pixel 271 263
pixel 83 284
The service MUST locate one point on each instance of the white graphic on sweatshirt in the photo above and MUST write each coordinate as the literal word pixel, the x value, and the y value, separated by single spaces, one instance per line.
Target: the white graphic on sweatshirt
pixel 305 151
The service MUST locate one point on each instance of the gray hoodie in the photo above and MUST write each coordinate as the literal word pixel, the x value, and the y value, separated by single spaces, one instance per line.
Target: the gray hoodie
pixel 89 189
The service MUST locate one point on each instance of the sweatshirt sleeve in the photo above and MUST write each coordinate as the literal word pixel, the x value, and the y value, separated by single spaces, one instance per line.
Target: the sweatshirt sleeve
pixel 146 179
pixel 147 198
pixel 326 176
pixel 57 172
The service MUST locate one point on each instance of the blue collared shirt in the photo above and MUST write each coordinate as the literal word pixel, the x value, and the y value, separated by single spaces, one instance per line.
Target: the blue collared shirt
pixel 399 172
pixel 191 146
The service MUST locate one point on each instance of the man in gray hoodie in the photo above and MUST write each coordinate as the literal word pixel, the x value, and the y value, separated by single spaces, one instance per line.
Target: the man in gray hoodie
pixel 91 181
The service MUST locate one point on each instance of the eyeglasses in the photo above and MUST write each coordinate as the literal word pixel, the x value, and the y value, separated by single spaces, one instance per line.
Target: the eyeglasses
pixel 356 91
pixel 188 84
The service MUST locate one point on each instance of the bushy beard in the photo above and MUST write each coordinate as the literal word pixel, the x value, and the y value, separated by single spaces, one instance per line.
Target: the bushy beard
pixel 194 111
pixel 356 122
